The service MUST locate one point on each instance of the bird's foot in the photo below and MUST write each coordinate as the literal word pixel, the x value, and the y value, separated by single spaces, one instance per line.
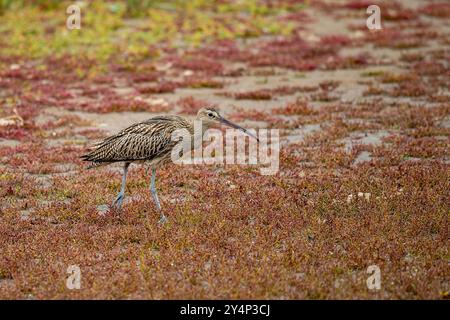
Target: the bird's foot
pixel 163 219
pixel 117 204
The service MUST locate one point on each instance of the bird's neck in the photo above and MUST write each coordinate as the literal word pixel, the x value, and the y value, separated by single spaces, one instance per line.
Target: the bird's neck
pixel 205 125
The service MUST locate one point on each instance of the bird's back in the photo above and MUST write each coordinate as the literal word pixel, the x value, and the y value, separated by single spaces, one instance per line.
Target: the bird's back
pixel 147 140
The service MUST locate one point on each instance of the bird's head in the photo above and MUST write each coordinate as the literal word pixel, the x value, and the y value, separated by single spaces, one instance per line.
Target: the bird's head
pixel 210 116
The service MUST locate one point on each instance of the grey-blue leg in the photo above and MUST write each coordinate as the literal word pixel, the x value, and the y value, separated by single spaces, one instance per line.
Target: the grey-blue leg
pixel 118 202
pixel 163 218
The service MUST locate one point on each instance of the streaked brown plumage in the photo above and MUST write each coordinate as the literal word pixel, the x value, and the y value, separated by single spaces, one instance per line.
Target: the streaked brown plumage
pixel 148 141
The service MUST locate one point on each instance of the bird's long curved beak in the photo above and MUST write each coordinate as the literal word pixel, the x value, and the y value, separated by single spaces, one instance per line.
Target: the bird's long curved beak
pixel 234 125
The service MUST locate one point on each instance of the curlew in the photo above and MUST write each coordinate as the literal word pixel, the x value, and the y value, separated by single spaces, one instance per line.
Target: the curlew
pixel 151 142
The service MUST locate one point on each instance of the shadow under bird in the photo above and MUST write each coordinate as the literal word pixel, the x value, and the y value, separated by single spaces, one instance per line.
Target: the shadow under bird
pixel 150 141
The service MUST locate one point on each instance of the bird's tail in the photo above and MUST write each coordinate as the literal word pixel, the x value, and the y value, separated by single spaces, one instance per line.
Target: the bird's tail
pixel 97 164
pixel 93 162
pixel 98 155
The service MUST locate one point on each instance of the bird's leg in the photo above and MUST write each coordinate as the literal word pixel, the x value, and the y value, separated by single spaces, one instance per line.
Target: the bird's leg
pixel 118 202
pixel 163 218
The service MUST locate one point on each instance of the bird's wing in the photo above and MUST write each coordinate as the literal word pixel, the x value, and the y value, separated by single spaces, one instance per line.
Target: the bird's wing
pixel 141 141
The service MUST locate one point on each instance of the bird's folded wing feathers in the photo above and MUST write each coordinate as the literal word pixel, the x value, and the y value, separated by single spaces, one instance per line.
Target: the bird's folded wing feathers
pixel 137 142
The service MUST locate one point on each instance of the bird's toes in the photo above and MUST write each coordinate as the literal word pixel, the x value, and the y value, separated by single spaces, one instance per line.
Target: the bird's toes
pixel 116 208
pixel 163 220
pixel 118 202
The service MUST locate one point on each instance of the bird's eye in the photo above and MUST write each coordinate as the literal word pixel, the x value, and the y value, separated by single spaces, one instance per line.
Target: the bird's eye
pixel 210 114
